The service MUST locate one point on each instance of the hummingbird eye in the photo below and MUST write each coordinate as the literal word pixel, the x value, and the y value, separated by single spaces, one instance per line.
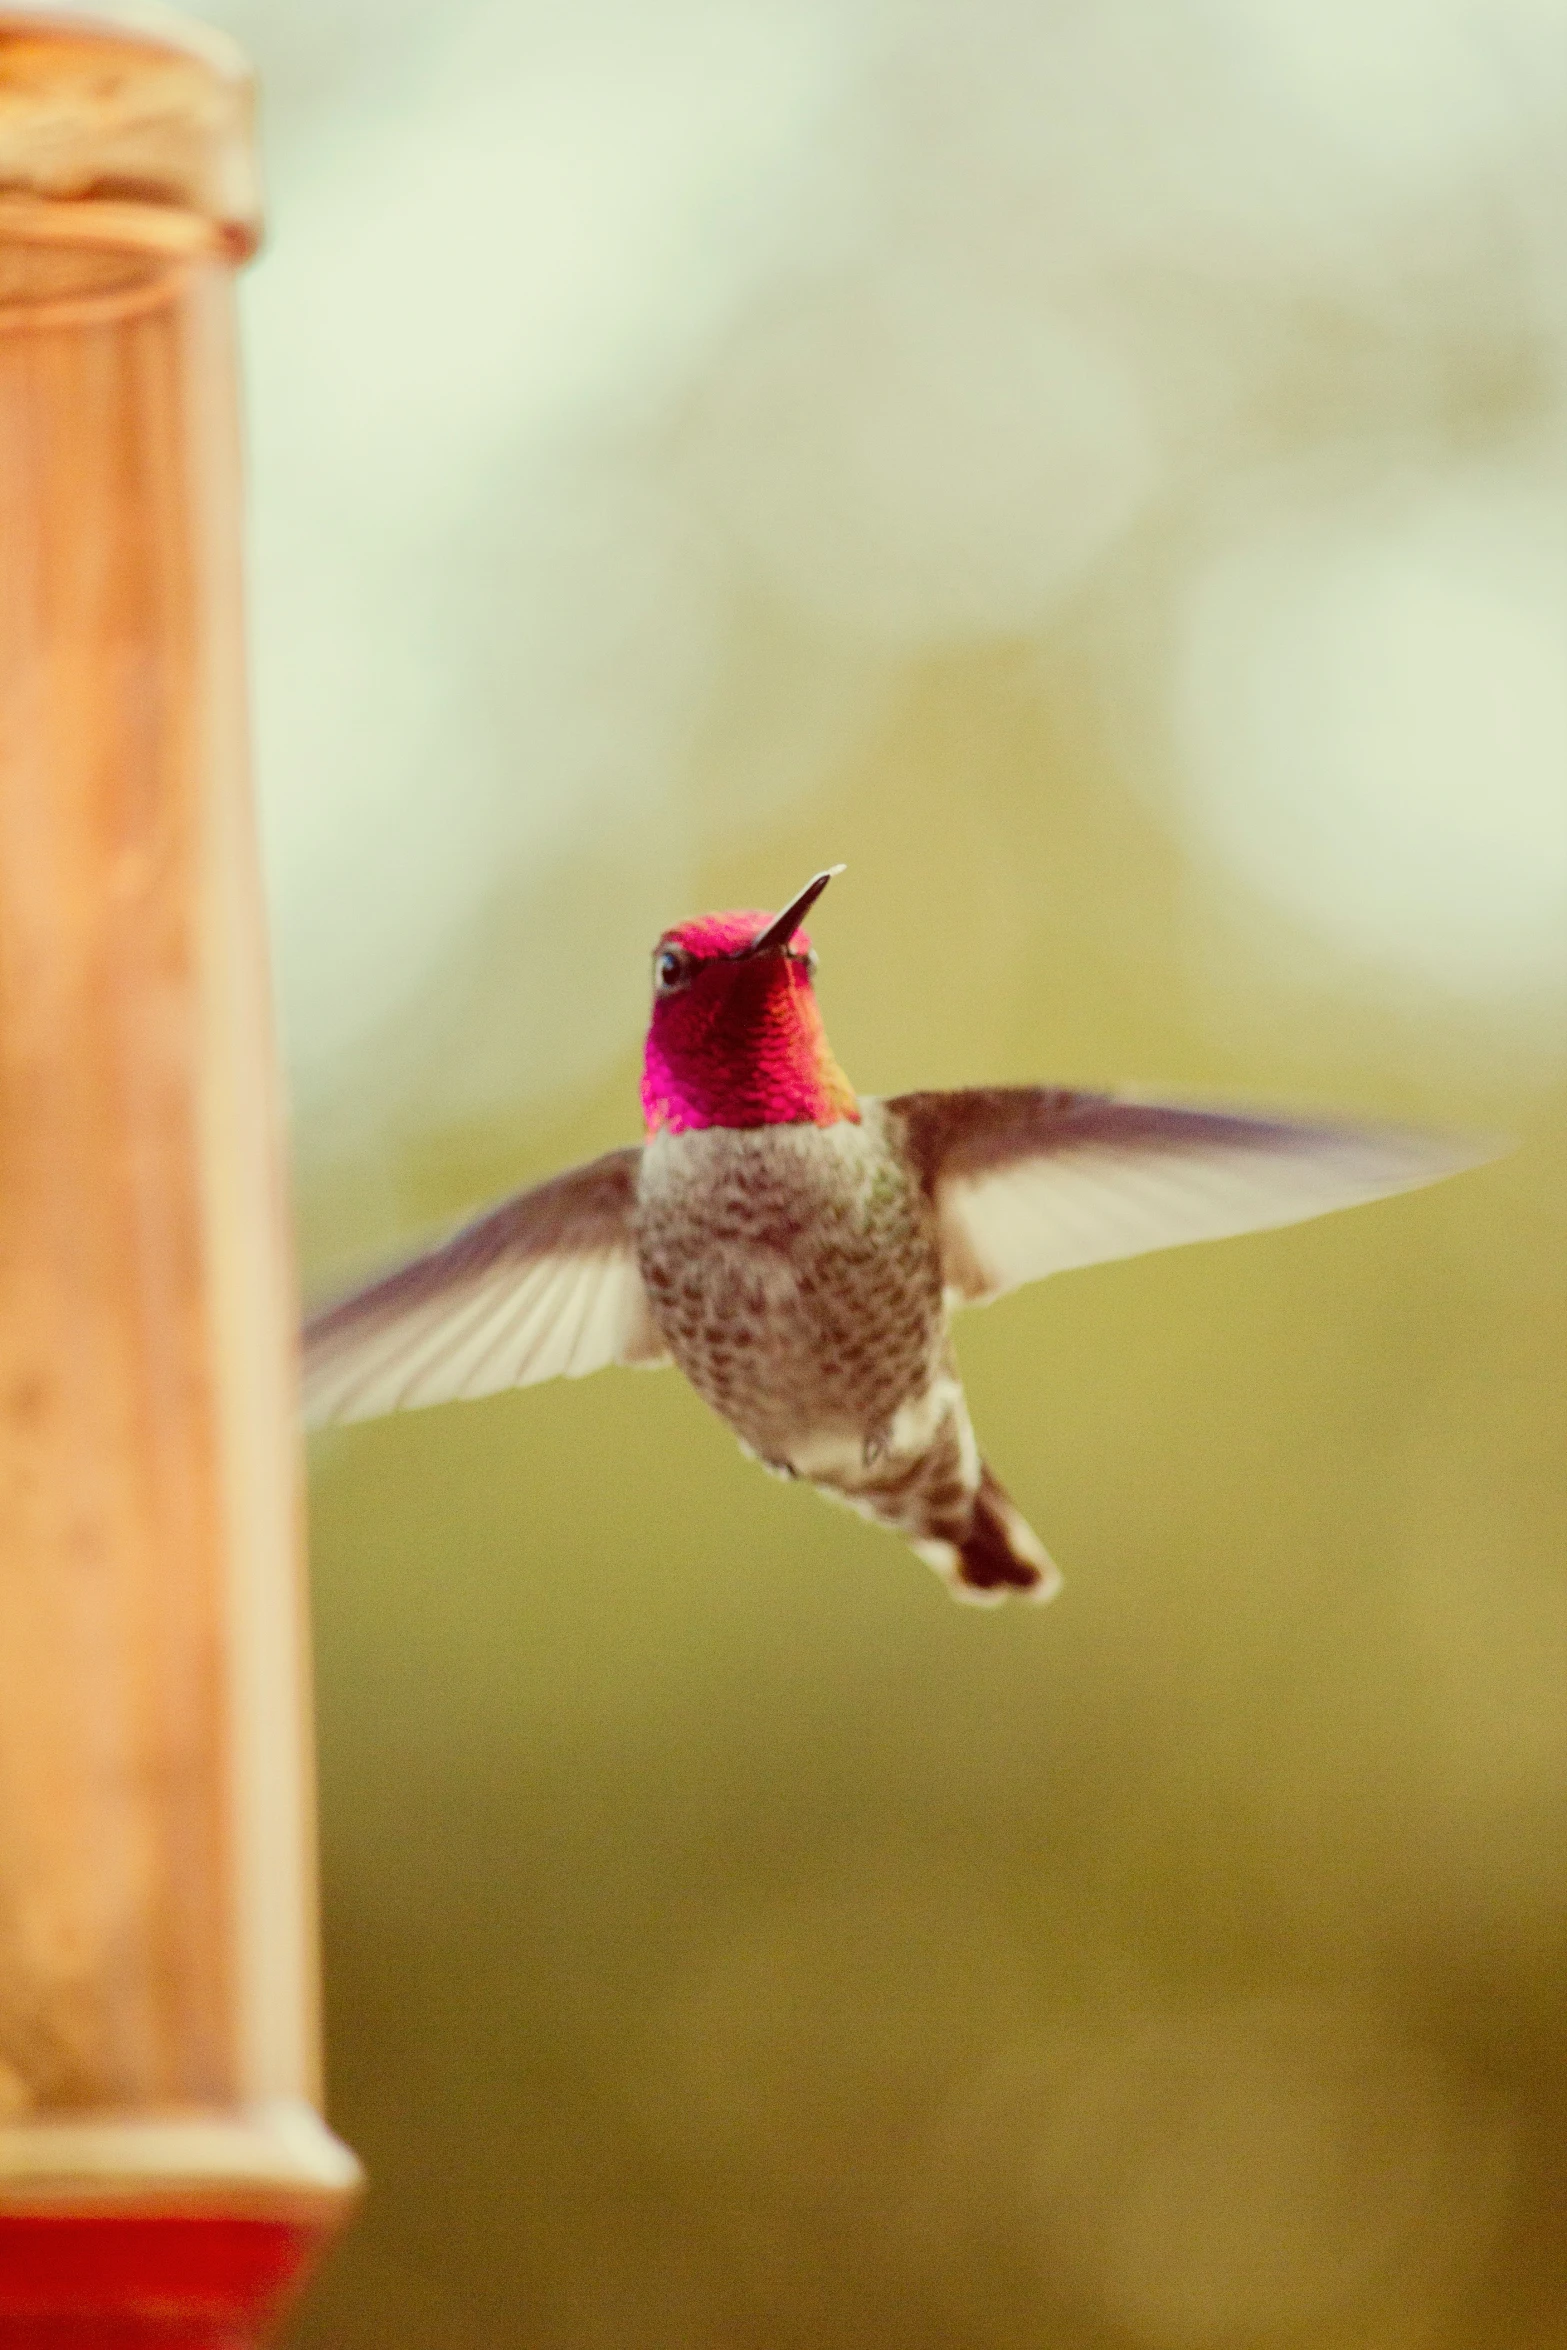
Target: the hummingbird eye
pixel 671 970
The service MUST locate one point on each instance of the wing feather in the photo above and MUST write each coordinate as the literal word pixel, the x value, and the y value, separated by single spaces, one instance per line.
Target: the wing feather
pixel 544 1286
pixel 506 1334
pixel 555 1322
pixel 1032 1180
pixel 435 1351
pixel 452 1359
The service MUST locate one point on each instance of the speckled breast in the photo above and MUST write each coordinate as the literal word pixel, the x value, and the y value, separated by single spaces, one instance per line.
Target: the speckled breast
pixel 794 1274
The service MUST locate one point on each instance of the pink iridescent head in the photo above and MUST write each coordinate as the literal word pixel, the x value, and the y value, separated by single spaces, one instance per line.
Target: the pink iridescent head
pixel 736 1038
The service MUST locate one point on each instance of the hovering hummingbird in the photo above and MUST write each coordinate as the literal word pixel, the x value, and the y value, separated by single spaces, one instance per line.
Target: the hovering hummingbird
pixel 796 1248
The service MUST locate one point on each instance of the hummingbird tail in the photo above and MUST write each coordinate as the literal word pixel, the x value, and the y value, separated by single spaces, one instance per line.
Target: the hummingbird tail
pixel 999 1556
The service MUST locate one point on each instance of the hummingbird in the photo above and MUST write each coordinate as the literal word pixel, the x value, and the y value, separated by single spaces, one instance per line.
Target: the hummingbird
pixel 797 1249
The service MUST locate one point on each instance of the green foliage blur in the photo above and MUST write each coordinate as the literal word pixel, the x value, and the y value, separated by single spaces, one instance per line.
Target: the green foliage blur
pixel 730 1941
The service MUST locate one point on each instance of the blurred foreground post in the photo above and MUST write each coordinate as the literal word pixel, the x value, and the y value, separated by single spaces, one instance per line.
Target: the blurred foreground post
pixel 163 2174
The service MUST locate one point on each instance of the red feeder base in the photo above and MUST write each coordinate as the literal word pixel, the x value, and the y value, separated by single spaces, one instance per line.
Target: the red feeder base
pixel 163 2281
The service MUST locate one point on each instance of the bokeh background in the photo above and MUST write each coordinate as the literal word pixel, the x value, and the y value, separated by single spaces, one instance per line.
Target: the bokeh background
pixel 1098 467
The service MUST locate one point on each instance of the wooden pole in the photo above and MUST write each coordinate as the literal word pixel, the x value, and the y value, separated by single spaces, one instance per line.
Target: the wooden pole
pixel 163 2174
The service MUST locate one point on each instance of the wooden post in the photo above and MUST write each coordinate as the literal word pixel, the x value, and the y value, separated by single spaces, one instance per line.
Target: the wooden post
pixel 164 2177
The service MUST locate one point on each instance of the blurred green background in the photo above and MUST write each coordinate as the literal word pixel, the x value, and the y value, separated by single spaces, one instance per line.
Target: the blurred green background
pixel 1099 471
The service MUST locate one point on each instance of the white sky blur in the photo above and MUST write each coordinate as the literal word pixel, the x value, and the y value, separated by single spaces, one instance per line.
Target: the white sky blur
pixel 919 314
pixel 1373 710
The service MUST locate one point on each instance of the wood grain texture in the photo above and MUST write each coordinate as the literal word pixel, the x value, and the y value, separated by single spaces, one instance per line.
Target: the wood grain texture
pixel 157 1925
pixel 161 2163
pixel 117 1932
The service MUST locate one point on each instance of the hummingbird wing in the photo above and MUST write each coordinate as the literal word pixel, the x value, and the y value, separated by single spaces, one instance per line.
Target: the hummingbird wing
pixel 545 1286
pixel 1030 1180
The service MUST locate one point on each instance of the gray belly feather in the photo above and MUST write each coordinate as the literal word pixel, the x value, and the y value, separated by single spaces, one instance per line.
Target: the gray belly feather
pixel 794 1274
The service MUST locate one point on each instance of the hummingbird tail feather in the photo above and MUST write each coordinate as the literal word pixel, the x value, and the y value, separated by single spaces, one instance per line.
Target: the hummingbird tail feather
pixel 997 1557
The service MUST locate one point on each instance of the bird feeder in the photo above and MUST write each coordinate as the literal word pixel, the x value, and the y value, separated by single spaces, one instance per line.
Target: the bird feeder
pixel 164 2175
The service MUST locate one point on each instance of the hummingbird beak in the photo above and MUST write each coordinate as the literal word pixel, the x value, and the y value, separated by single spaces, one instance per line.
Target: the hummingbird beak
pixel 783 926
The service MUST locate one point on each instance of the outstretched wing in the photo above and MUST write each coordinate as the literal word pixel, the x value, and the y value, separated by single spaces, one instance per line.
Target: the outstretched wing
pixel 545 1286
pixel 1028 1180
